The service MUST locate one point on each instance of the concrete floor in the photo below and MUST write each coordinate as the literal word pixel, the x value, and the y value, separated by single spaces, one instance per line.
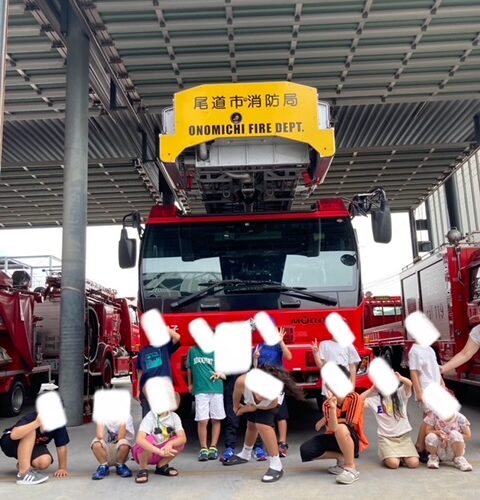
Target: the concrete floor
pixel 213 481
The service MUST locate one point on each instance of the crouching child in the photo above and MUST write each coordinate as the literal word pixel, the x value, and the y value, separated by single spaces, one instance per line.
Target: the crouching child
pixel 159 440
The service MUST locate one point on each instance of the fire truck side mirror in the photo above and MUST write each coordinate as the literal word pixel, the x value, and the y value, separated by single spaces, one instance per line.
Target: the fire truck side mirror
pixel 382 223
pixel 127 250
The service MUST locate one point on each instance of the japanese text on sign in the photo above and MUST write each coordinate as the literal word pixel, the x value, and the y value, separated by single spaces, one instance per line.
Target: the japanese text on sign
pixel 246 101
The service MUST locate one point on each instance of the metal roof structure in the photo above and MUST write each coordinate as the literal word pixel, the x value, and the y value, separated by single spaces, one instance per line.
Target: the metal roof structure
pixel 401 75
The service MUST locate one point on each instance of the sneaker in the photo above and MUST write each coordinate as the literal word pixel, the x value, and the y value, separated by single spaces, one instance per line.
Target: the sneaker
pixel 336 470
pixel 203 455
pixel 259 454
pixel 212 453
pixel 227 454
pixel 101 472
pixel 283 449
pixel 462 464
pixel 123 470
pixel 32 476
pixel 433 462
pixel 348 476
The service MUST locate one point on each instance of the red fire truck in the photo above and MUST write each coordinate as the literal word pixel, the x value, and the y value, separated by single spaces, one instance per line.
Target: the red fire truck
pixel 445 285
pixel 112 334
pixel 22 369
pixel 243 161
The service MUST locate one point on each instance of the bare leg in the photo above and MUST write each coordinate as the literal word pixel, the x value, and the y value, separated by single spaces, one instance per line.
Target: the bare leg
pixel 24 454
pixel 99 452
pixel 411 462
pixel 144 458
pixel 392 463
pixel 420 444
pixel 282 431
pixel 42 462
pixel 122 453
pixel 202 433
pixel 345 443
pixel 269 439
pixel 458 448
pixel 216 428
pixel 251 434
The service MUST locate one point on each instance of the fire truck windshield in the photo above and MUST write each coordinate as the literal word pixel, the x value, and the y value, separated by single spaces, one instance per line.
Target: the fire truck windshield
pixel 178 260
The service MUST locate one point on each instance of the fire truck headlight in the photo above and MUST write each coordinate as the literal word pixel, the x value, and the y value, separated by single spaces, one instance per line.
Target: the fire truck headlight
pixel 364 365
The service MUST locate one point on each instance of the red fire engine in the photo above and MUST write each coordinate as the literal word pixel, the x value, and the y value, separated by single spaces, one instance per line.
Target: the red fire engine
pixel 445 285
pixel 245 235
pixel 112 335
pixel 22 369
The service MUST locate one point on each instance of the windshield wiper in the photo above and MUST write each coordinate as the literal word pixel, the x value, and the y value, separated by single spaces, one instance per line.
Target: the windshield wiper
pixel 218 286
pixel 299 292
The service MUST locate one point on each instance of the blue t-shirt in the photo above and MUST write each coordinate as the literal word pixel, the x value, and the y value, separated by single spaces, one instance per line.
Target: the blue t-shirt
pixel 155 361
pixel 270 355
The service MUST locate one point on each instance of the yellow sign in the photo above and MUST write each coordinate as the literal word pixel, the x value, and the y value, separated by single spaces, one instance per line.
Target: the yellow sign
pixel 243 110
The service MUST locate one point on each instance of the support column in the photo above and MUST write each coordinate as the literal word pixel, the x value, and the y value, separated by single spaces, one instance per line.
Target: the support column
pixel 72 312
pixel 413 233
pixel 3 59
pixel 428 216
pixel 453 207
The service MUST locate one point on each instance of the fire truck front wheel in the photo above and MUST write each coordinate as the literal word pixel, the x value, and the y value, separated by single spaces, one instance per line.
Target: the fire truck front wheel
pixel 11 404
pixel 107 374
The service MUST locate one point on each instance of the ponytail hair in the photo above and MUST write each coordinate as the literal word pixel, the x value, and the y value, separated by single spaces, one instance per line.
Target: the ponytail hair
pixel 290 387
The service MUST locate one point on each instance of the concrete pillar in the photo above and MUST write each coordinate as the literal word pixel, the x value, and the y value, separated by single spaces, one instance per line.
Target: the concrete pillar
pixel 453 207
pixel 428 216
pixel 72 312
pixel 3 58
pixel 413 233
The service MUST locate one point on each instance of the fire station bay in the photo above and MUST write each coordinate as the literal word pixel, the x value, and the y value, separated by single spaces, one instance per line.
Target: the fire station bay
pixel 240 245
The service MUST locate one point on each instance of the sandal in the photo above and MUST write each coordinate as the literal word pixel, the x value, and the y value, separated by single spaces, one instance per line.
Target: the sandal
pixel 272 475
pixel 235 460
pixel 142 476
pixel 165 470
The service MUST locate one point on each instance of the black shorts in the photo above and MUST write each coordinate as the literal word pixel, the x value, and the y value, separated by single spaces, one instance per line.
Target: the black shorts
pixel 9 446
pixel 282 411
pixel 265 417
pixel 321 443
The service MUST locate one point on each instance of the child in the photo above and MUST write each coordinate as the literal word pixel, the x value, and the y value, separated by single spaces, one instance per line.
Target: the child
pixel 274 356
pixel 445 440
pixel 330 350
pixel 160 437
pixel 27 442
pixel 111 446
pixel 155 362
pixel 395 445
pixel 208 390
pixel 261 414
pixel 424 370
pixel 344 437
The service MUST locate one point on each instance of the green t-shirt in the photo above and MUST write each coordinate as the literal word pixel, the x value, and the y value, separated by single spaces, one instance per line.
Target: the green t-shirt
pixel 201 364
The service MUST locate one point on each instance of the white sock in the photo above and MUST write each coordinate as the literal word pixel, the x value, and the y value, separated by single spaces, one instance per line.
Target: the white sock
pixel 275 463
pixel 246 453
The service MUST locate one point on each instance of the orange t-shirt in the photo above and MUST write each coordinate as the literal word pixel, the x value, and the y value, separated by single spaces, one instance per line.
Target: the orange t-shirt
pixel 352 411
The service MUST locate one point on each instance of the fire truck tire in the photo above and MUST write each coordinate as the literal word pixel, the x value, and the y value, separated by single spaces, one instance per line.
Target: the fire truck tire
pixel 11 404
pixel 107 374
pixel 92 334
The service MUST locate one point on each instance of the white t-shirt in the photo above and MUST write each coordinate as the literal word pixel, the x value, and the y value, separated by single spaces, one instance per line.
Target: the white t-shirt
pixel 388 424
pixel 475 334
pixel 333 351
pixel 249 399
pixel 112 429
pixel 162 428
pixel 423 359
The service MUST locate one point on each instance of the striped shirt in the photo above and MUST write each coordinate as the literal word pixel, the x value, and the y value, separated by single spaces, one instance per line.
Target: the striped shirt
pixel 352 411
